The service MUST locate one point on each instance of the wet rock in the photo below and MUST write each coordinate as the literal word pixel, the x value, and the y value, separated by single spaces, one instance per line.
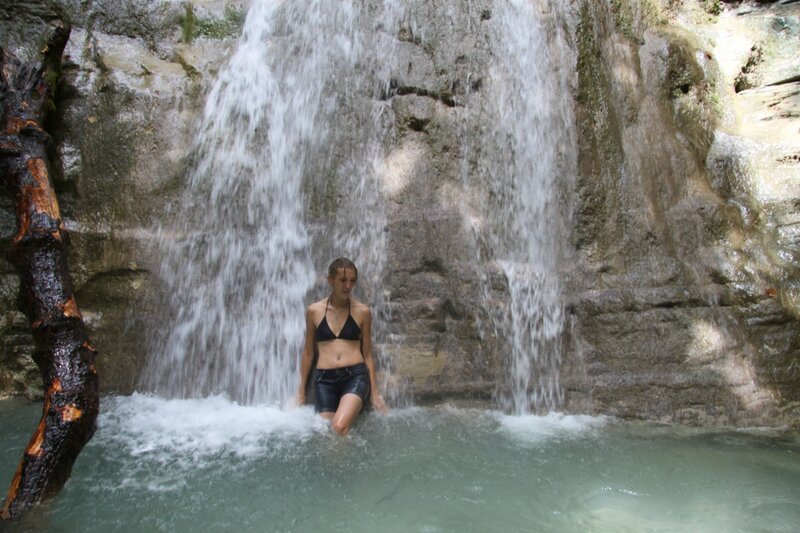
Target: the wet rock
pixel 19 375
pixel 131 89
pixel 703 338
pixel 680 285
pixel 748 77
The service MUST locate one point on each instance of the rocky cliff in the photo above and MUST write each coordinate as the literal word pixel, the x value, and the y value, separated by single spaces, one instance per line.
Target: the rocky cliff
pixel 686 229
pixel 679 260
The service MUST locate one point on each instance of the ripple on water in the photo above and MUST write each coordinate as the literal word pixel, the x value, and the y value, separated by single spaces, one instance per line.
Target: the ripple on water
pixel 210 464
pixel 159 440
pixel 532 430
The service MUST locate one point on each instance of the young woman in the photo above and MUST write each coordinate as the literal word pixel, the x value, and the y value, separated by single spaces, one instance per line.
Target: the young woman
pixel 339 328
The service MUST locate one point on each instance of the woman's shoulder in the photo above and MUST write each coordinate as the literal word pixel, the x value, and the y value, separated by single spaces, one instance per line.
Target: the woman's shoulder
pixel 316 307
pixel 359 309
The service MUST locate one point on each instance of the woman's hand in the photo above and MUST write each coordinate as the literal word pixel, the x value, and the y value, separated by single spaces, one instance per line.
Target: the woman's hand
pixel 300 401
pixel 379 404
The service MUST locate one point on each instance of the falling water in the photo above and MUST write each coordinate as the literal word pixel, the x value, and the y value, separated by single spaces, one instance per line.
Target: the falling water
pixel 525 171
pixel 238 266
pixel 283 178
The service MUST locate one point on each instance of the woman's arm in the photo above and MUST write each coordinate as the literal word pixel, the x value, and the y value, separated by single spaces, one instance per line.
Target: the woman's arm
pixel 307 358
pixel 366 351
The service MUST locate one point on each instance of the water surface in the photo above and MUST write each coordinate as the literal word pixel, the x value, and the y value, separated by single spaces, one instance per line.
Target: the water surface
pixel 212 465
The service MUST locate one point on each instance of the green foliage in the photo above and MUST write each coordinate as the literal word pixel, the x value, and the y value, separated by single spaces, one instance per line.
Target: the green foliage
pixel 193 26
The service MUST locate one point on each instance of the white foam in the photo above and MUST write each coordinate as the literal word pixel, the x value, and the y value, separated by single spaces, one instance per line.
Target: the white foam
pixel 190 430
pixel 532 429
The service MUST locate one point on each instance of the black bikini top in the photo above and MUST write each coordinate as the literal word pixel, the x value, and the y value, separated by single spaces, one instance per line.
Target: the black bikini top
pixel 349 332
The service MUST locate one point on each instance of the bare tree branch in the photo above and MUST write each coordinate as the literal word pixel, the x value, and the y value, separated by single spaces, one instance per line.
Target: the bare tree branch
pixel 38 250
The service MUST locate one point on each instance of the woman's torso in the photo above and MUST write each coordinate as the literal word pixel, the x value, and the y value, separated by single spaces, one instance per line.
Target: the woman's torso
pixel 338 334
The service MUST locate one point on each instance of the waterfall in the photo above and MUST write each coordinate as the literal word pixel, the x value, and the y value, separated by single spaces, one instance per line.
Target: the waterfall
pixel 240 262
pixel 526 168
pixel 285 176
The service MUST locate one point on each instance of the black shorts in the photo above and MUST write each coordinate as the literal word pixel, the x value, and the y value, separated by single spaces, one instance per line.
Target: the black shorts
pixel 331 384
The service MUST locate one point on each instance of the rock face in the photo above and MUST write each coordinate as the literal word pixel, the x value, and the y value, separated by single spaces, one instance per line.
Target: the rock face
pixel 680 263
pixel 685 291
pixel 133 80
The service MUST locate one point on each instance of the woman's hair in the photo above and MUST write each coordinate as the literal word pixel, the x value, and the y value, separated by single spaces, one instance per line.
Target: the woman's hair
pixel 342 262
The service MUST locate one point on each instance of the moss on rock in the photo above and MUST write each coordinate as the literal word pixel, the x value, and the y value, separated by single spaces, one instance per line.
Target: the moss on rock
pixel 691 92
pixel 194 26
pixel 600 141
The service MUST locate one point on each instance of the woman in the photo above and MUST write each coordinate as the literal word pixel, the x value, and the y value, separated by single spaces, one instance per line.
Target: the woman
pixel 339 328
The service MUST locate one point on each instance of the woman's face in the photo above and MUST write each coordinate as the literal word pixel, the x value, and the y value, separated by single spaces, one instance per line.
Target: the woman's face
pixel 343 282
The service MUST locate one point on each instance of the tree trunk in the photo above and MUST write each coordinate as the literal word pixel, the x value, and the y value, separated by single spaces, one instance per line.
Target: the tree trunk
pixel 38 250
